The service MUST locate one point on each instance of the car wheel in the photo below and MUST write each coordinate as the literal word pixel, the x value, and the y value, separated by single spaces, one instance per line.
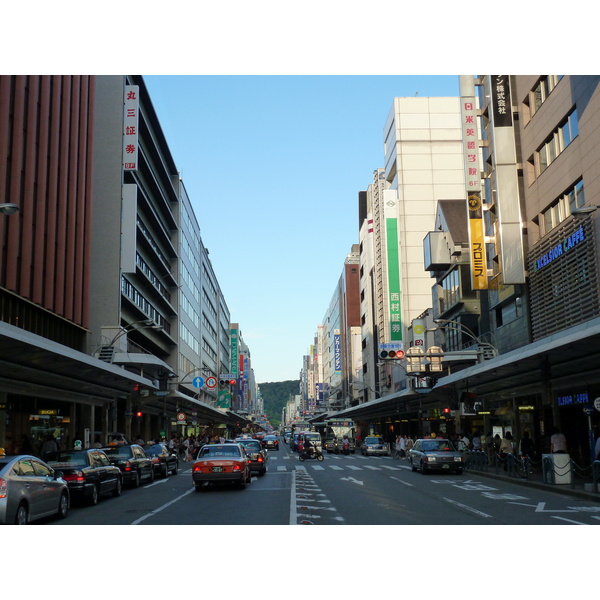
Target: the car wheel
pixel 423 468
pixel 459 471
pixel 263 472
pixel 22 516
pixel 176 469
pixel 117 491
pixel 242 483
pixel 412 465
pixel 165 471
pixel 320 457
pixel 136 480
pixel 63 506
pixel 198 488
pixel 151 478
pixel 95 496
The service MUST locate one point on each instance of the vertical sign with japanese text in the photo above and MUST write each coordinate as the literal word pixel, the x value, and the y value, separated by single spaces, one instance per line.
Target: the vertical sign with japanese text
pixel 131 110
pixel 337 351
pixel 393 265
pixel 468 115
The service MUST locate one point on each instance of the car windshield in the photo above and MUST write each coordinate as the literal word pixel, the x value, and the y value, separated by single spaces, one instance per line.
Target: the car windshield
pixel 118 452
pixel 373 440
pixel 66 459
pixel 250 445
pixel 154 450
pixel 220 452
pixel 437 446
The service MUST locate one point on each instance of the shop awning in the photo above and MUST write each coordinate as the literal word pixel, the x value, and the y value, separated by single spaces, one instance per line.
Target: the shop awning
pixel 570 358
pixel 35 366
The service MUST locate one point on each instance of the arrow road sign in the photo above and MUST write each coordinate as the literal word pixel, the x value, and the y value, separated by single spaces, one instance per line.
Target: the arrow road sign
pixel 198 382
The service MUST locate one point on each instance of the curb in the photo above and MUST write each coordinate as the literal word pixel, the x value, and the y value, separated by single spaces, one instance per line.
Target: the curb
pixel 566 490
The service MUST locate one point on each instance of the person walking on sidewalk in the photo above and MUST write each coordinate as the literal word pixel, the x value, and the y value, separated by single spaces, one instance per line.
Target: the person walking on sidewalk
pixel 558 442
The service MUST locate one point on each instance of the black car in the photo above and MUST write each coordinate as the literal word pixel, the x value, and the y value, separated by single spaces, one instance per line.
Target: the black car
pixel 164 460
pixel 258 455
pixel 270 442
pixel 88 473
pixel 134 463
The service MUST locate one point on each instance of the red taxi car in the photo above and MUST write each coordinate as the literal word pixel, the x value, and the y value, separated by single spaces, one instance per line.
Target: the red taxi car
pixel 221 463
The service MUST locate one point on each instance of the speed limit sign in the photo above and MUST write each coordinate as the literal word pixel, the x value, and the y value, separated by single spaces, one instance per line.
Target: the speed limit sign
pixel 211 382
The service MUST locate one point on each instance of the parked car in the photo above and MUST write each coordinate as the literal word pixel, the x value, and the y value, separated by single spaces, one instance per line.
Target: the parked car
pixel 30 490
pixel 435 454
pixel 258 455
pixel 134 463
pixel 164 460
pixel 270 442
pixel 375 445
pixel 221 463
pixel 88 473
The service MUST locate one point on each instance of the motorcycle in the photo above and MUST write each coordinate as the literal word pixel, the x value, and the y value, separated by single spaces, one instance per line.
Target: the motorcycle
pixel 316 453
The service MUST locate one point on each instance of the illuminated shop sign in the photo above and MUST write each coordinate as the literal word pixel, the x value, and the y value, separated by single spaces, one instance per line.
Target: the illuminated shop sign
pixel 571 399
pixel 562 248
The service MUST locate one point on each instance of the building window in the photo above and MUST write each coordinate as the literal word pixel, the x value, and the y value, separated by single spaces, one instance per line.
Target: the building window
pixel 561 137
pixel 538 95
pixel 542 90
pixel 562 207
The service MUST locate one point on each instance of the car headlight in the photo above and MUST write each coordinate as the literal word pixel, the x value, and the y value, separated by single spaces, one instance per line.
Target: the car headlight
pixel 457 458
pixel 431 459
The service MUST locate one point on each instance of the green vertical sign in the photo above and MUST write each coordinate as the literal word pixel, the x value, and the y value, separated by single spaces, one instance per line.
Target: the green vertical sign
pixel 393 265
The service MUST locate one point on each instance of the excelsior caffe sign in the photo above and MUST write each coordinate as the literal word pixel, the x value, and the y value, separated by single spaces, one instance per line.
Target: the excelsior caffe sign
pixel 563 247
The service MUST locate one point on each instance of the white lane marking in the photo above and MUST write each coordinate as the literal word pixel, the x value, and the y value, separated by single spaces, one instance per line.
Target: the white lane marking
pixel 156 511
pixel 293 508
pixel 404 482
pixel 474 510
pixel 569 520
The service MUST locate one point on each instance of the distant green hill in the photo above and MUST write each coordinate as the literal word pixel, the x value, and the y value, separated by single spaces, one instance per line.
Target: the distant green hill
pixel 276 395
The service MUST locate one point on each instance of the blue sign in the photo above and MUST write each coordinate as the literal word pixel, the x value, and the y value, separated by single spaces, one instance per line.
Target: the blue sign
pixel 198 382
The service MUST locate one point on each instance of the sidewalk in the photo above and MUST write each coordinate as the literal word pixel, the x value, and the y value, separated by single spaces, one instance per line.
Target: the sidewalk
pixel 579 487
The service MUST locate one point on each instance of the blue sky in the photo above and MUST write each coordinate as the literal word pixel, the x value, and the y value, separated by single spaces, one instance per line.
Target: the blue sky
pixel 273 166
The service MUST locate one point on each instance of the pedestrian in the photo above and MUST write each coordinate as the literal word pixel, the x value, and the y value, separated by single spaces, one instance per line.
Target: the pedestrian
pixel 558 442
pixel 506 448
pixel 139 440
pixel 97 443
pixel 402 446
pixel 526 445
pixel 49 445
pixel 476 441
pixel 409 443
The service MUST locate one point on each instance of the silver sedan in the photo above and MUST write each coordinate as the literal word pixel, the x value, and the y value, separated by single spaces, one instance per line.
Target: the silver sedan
pixel 435 455
pixel 30 490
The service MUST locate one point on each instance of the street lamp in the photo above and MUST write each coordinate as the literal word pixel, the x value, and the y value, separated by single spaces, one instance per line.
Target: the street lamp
pixel 464 329
pixel 365 387
pixel 145 324
pixel 583 211
pixel 8 208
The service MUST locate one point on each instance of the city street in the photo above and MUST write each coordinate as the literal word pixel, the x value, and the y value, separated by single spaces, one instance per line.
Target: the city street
pixel 341 490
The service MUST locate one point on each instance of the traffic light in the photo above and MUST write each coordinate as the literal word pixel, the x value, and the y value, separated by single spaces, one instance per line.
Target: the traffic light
pixel 138 416
pixel 226 382
pixel 391 354
pixel 446 410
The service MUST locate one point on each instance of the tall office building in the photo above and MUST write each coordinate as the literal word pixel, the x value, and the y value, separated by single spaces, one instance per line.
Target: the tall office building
pixel 423 164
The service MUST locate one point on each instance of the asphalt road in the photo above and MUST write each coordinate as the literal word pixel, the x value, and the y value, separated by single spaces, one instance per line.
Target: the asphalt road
pixel 341 490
